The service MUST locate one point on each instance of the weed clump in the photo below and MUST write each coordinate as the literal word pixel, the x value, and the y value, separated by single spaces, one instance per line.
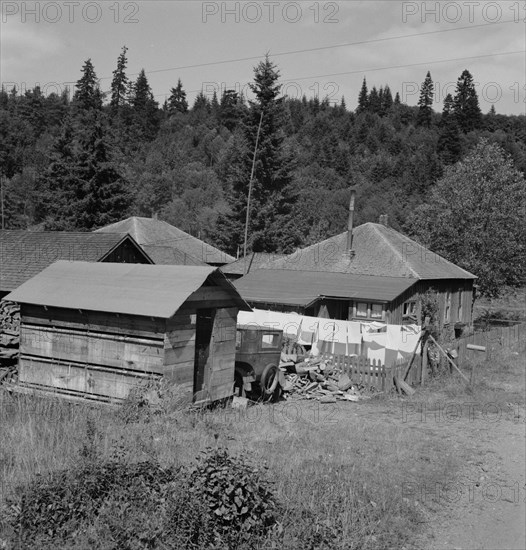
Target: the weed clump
pixel 222 502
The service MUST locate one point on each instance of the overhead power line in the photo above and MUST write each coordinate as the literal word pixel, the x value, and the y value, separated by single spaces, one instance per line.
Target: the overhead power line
pixel 319 48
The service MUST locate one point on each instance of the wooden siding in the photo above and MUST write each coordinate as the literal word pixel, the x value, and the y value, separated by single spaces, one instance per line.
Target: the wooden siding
pixel 179 351
pixel 92 353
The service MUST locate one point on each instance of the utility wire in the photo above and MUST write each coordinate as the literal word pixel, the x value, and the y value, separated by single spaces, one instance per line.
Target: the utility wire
pixel 320 48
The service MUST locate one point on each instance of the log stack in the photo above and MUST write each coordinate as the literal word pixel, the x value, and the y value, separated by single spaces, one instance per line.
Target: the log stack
pixel 318 379
pixel 9 338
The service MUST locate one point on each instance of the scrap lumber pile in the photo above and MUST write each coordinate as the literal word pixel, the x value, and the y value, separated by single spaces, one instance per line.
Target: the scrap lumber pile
pixel 9 338
pixel 318 379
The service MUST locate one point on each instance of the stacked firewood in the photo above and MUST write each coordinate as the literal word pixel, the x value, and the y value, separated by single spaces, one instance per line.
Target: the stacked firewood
pixel 9 337
pixel 318 379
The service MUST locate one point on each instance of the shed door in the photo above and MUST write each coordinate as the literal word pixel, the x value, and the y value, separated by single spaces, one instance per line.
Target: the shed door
pixel 203 347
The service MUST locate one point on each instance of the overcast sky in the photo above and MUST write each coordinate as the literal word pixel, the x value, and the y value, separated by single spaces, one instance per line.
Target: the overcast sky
pixel 389 42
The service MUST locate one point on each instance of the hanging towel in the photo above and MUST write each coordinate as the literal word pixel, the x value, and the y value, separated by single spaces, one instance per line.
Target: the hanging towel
pixel 354 333
pixel 374 345
pixel 372 326
pixel 326 330
pixel 308 330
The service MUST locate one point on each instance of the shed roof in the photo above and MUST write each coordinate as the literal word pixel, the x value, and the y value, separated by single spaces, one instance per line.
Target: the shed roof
pixel 149 231
pixel 379 251
pixel 134 289
pixel 301 288
pixel 256 260
pixel 23 254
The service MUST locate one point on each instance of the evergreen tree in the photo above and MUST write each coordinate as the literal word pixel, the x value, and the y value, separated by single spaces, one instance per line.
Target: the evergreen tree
pixel 466 103
pixel 374 102
pixel 177 102
pixel 425 102
pixel 449 146
pixel 120 83
pixel 363 98
pixel 81 188
pixel 230 109
pixel 271 227
pixel 397 99
pixel 387 100
pixel 87 95
pixel 145 108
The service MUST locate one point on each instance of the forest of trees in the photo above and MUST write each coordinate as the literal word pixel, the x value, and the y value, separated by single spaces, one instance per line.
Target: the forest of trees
pixel 80 162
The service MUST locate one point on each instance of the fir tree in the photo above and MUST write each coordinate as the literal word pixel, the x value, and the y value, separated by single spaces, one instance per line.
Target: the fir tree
pixel 177 102
pixel 363 98
pixel 397 99
pixel 466 103
pixel 120 83
pixel 425 109
pixel 271 227
pixel 387 100
pixel 145 108
pixel 87 95
pixel 374 101
pixel 449 146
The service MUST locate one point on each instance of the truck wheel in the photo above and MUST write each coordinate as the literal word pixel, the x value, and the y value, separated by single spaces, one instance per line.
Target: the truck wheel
pixel 269 382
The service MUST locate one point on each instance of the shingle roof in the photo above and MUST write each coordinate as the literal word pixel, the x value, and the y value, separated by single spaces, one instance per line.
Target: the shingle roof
pixel 168 255
pixel 303 287
pixel 149 231
pixel 379 251
pixel 135 289
pixel 23 254
pixel 256 260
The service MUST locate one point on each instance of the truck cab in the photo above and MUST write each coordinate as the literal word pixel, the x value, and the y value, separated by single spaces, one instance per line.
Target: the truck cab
pixel 258 352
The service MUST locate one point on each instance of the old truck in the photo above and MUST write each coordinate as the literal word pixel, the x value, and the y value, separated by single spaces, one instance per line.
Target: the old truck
pixel 258 352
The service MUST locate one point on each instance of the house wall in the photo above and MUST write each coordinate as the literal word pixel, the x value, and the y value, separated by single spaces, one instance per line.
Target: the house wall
pixel 461 291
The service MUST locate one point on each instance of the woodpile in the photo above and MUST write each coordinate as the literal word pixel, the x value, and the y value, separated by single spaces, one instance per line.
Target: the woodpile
pixel 318 379
pixel 9 338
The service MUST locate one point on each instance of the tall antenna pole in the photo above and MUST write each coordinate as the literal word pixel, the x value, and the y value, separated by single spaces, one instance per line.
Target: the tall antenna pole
pixel 2 197
pixel 249 193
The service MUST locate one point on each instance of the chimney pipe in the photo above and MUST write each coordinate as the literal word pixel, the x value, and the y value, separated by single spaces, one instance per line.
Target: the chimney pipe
pixel 351 219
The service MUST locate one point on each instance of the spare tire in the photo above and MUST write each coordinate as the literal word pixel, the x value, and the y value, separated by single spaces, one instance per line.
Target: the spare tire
pixel 269 382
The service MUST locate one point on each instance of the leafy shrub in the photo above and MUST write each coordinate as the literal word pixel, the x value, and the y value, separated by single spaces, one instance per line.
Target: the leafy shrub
pixel 240 501
pixel 58 505
pixel 221 503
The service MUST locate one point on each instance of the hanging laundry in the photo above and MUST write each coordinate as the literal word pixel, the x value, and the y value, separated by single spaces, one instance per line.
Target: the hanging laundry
pixel 308 330
pixel 372 326
pixel 374 345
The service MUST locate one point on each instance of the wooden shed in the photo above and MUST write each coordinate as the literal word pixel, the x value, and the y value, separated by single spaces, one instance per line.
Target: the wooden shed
pixel 95 331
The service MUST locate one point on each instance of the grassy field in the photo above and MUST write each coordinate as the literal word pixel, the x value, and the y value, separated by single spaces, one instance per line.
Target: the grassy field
pixel 338 471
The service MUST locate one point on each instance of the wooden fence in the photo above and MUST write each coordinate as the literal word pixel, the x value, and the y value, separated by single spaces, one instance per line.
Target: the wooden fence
pixel 372 373
pixel 513 337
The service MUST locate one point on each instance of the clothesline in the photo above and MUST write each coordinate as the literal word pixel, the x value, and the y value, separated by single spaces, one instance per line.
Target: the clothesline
pixel 373 339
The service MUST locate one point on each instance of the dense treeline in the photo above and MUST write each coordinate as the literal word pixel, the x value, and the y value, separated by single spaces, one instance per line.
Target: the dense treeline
pixel 83 162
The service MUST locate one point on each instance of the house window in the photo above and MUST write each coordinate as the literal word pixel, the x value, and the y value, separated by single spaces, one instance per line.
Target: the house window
pixel 447 309
pixel 409 309
pixel 376 311
pixel 369 310
pixel 361 309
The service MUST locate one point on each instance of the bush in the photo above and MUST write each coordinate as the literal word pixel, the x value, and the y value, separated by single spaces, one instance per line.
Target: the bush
pixel 223 502
pixel 241 503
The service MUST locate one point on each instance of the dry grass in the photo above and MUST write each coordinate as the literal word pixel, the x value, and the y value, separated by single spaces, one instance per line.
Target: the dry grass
pixel 336 468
